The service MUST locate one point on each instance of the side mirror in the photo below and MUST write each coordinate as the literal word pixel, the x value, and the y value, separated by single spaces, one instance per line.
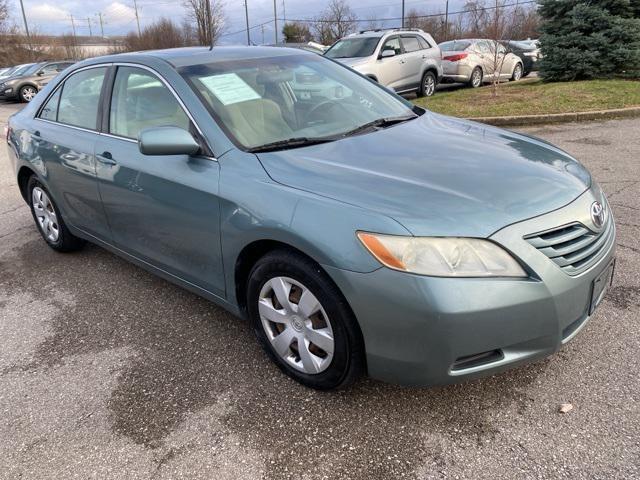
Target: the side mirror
pixel 167 141
pixel 388 53
pixel 40 73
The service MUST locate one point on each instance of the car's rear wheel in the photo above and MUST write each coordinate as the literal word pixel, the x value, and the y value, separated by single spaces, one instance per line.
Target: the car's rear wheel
pixel 428 85
pixel 27 93
pixel 303 322
pixel 48 219
pixel 517 73
pixel 475 80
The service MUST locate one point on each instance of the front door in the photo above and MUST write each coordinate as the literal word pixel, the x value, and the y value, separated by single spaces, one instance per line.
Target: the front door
pixel 162 209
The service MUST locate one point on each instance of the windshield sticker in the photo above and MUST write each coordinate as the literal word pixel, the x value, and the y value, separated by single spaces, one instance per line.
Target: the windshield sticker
pixel 229 88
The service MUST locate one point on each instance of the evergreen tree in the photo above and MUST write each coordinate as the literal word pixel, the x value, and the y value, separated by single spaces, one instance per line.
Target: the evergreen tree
pixel 596 39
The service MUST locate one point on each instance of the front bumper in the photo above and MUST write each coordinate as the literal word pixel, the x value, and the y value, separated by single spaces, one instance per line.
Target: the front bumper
pixel 428 331
pixel 8 93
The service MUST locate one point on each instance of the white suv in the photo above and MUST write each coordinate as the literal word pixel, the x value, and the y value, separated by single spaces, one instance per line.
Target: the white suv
pixel 405 60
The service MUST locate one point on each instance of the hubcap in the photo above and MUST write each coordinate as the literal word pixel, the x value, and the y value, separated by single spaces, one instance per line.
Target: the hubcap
pixel 517 73
pixel 296 325
pixel 429 86
pixel 28 94
pixel 45 214
pixel 476 78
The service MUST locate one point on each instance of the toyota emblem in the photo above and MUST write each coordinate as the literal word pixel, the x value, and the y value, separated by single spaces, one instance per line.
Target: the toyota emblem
pixel 597 214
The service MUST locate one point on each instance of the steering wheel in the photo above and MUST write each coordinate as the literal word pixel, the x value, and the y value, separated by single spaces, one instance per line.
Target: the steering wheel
pixel 327 105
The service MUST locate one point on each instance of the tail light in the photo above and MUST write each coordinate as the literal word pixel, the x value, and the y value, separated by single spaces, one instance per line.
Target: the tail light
pixel 456 57
pixel 7 130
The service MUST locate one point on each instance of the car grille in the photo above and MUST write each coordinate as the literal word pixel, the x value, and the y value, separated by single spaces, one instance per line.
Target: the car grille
pixel 574 248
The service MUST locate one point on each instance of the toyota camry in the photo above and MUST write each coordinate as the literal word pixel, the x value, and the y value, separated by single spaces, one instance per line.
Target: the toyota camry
pixel 359 234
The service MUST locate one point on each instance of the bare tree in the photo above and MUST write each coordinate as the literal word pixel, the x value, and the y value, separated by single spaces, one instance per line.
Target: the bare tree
pixel 161 34
pixel 337 21
pixel 209 19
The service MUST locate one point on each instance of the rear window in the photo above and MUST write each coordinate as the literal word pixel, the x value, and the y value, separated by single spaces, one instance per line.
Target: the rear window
pixel 353 47
pixel 454 46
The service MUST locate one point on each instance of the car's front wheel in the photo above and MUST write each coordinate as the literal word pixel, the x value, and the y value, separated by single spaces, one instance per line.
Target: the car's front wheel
pixel 303 322
pixel 48 219
pixel 428 85
pixel 27 93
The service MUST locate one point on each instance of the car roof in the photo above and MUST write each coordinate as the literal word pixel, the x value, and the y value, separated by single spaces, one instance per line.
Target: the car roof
pixel 184 57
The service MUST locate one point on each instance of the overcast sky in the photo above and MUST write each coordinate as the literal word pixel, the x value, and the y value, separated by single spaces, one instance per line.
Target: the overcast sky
pixel 53 17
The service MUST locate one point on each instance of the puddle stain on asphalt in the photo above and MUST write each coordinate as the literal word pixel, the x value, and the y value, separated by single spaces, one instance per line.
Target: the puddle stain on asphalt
pixel 187 353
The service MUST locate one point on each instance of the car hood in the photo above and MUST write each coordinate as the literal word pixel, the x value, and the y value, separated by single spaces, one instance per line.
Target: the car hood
pixel 437 175
pixel 353 61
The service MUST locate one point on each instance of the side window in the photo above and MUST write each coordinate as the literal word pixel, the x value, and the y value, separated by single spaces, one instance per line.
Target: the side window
pixel 410 43
pixel 80 98
pixel 393 44
pixel 50 69
pixel 50 109
pixel 140 100
pixel 481 47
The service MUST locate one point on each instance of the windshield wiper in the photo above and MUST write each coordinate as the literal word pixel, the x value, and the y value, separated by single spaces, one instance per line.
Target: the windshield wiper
pixel 290 143
pixel 379 123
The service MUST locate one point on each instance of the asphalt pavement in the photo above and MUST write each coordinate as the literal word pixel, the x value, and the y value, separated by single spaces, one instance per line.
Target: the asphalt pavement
pixel 109 372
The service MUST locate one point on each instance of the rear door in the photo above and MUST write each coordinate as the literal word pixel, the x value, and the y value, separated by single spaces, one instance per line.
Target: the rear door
pixel 414 60
pixel 63 143
pixel 162 209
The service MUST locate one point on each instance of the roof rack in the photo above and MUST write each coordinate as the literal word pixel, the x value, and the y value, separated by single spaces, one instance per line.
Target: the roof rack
pixel 395 29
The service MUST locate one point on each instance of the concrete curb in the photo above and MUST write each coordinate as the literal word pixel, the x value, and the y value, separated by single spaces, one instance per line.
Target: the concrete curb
pixel 523 120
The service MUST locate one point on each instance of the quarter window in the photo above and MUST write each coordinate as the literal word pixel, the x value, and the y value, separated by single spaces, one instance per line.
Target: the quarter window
pixel 424 44
pixel 50 109
pixel 80 98
pixel 140 100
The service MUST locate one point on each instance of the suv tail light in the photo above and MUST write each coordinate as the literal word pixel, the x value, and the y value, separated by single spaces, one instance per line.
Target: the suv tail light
pixel 456 57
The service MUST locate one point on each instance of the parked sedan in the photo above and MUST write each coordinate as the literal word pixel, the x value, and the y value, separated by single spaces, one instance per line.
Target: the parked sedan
pixel 478 61
pixel 25 84
pixel 529 53
pixel 357 234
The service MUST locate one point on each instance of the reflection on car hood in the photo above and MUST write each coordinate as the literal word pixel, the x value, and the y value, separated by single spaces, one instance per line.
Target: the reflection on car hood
pixel 353 61
pixel 437 175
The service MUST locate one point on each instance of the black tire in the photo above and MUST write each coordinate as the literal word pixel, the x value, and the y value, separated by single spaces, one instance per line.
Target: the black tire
pixel 475 80
pixel 27 93
pixel 347 364
pixel 517 73
pixel 66 241
pixel 427 85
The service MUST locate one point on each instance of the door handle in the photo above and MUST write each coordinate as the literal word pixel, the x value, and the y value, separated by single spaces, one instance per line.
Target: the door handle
pixel 106 158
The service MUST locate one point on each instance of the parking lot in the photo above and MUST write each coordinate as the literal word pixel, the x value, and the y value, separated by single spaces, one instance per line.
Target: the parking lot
pixel 109 372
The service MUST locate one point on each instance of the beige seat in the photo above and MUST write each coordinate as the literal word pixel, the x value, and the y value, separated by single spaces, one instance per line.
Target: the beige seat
pixel 256 122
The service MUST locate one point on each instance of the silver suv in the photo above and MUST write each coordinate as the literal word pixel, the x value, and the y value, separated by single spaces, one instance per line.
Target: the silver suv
pixel 406 60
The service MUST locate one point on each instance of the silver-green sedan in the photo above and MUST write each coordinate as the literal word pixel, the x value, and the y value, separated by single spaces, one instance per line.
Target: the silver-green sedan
pixel 356 232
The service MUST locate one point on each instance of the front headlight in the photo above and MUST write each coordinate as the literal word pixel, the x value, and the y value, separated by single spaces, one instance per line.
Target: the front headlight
pixel 442 256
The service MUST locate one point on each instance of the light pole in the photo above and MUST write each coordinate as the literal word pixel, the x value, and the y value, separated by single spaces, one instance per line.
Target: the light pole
pixel 402 13
pixel 26 27
pixel 246 14
pixel 275 20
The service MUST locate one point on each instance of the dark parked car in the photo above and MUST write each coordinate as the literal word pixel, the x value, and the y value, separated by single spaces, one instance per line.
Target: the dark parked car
pixel 29 82
pixel 528 51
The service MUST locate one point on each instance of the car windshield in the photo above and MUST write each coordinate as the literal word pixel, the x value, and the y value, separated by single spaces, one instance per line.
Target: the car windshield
pixel 454 46
pixel 353 47
pixel 293 97
pixel 25 69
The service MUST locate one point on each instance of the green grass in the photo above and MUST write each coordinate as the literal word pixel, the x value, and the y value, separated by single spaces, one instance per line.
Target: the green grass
pixel 534 97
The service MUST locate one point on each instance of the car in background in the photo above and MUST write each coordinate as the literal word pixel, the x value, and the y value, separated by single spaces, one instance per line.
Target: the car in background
pixel 478 61
pixel 528 51
pixel 24 85
pixel 15 70
pixel 309 46
pixel 406 60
